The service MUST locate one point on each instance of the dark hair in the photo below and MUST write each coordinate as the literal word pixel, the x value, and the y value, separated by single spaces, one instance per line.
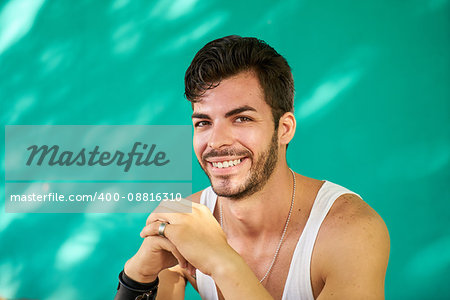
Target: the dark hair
pixel 230 55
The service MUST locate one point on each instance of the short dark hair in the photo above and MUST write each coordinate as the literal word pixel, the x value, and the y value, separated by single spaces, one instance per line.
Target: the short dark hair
pixel 230 55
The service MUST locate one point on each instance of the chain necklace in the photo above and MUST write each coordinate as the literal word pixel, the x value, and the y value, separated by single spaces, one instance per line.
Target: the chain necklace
pixel 282 235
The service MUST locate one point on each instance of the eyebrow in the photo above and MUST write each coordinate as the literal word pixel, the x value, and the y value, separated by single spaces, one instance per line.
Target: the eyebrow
pixel 228 114
pixel 239 110
pixel 200 116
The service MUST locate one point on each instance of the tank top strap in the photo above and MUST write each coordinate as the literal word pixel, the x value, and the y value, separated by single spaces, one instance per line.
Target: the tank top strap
pixel 205 284
pixel 298 282
pixel 208 198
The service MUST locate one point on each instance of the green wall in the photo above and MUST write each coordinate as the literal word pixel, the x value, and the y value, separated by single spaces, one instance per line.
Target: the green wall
pixel 372 105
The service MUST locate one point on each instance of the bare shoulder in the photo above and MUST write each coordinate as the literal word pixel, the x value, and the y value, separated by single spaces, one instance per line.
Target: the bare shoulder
pixel 352 248
pixel 350 213
pixel 353 224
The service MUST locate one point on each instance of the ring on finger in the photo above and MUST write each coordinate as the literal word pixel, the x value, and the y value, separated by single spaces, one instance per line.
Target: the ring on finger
pixel 161 229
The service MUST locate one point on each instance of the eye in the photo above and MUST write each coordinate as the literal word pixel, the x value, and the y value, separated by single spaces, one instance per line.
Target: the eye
pixel 201 124
pixel 242 119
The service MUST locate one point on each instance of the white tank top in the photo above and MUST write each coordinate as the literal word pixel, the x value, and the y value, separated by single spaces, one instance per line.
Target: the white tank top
pixel 298 282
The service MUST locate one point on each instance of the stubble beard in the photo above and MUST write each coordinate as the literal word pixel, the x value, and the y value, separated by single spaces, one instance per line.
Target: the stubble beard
pixel 259 174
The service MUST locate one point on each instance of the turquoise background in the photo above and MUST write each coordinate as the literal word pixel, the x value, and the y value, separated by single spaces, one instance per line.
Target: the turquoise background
pixel 372 104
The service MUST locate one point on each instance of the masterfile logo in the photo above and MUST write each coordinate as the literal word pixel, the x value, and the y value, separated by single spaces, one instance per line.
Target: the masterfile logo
pixel 91 158
pixel 104 152
pixel 96 168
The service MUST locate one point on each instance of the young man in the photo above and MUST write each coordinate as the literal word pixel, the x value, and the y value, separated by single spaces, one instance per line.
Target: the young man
pixel 260 231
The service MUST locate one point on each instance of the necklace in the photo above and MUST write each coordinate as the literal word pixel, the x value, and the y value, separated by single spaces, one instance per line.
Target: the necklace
pixel 282 235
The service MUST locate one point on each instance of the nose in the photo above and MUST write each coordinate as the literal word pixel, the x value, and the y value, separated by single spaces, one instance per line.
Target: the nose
pixel 221 136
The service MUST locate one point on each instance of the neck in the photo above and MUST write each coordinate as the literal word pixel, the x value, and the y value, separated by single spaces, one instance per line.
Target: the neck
pixel 260 214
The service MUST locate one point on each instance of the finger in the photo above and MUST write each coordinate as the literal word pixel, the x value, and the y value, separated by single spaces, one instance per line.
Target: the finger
pixel 167 245
pixel 167 217
pixel 153 229
pixel 157 216
pixel 164 217
pixel 191 269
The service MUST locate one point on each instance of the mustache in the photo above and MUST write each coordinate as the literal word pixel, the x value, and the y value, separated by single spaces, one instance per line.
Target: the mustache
pixel 226 152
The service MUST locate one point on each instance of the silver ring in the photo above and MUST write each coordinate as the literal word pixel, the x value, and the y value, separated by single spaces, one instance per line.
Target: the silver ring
pixel 161 229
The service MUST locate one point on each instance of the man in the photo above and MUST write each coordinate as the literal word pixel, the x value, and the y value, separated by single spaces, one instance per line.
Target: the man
pixel 260 231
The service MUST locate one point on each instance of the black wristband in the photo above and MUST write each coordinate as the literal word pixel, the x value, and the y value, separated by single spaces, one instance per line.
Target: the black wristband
pixel 138 285
pixel 129 289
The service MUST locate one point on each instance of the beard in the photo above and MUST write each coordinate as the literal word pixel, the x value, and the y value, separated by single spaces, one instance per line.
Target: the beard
pixel 259 174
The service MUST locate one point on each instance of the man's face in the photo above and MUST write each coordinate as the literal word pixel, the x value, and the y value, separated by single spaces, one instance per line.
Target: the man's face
pixel 234 137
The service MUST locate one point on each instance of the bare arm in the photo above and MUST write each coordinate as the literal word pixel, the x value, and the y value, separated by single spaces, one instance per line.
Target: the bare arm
pixel 355 252
pixel 172 284
pixel 237 281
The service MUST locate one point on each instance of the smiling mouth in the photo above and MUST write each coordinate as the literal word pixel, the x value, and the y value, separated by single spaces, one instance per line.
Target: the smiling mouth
pixel 226 163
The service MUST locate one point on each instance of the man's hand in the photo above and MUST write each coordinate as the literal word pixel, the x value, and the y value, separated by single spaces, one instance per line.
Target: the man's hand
pixel 197 234
pixel 155 254
pixel 201 241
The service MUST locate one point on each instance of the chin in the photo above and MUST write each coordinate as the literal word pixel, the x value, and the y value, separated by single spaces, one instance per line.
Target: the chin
pixel 225 191
pixel 233 191
pixel 224 187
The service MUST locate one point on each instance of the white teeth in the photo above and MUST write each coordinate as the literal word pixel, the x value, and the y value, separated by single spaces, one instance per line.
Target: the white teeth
pixel 226 164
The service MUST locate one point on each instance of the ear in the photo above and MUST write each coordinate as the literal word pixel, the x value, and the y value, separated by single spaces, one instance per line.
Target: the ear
pixel 286 128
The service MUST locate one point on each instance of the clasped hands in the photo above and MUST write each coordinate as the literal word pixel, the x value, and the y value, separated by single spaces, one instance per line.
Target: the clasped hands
pixel 192 238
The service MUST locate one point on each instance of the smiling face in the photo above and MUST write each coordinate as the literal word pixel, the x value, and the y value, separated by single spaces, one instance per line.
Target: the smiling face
pixel 234 136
